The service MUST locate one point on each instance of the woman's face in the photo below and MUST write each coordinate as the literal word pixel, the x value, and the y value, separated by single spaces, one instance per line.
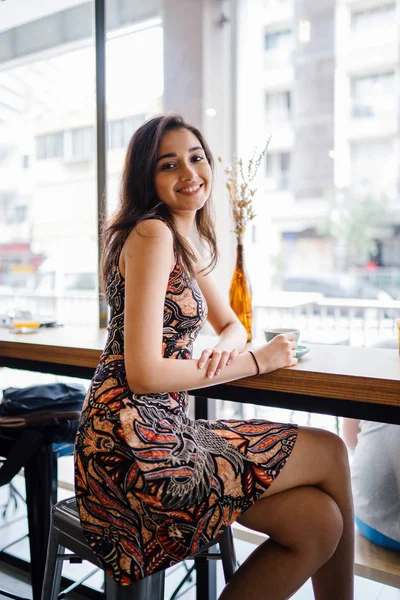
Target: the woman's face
pixel 183 175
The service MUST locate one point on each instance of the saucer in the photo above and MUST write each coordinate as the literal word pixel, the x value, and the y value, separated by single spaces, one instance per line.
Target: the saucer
pixel 302 350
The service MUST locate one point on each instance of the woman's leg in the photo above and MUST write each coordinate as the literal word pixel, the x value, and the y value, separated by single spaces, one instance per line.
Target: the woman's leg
pixel 305 526
pixel 319 460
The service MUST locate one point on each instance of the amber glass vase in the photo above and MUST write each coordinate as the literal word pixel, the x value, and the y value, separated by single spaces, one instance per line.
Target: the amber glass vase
pixel 240 294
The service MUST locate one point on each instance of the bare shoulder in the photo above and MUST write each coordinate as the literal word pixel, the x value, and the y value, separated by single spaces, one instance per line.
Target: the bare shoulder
pixel 148 237
pixel 152 229
pixel 149 233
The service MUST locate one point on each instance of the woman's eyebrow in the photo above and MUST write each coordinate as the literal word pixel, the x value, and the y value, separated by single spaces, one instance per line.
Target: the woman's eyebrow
pixel 173 154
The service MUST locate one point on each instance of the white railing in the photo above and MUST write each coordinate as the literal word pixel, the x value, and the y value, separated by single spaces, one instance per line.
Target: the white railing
pixel 72 309
pixel 355 322
pixel 346 321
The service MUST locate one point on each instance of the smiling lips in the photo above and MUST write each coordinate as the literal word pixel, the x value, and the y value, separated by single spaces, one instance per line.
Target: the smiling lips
pixel 193 189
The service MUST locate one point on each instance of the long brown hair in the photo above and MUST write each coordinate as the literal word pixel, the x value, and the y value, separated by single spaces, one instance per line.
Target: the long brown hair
pixel 139 200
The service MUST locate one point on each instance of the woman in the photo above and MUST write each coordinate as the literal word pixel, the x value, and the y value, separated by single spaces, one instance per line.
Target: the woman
pixel 152 485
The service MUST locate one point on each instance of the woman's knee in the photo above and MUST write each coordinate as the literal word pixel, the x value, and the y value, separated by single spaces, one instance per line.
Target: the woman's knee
pixel 331 451
pixel 324 453
pixel 304 519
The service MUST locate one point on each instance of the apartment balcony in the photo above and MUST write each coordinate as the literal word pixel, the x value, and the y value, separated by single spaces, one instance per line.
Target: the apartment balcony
pixel 277 75
pixel 11 178
pixel 370 55
pixel 385 188
pixel 278 11
pixel 282 134
pixel 368 122
pixel 278 58
pixel 15 232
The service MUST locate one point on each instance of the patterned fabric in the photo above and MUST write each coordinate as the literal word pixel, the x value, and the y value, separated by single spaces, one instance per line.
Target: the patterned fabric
pixel 152 485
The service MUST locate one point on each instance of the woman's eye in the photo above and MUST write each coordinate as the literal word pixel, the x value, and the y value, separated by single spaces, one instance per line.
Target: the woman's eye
pixel 197 158
pixel 167 166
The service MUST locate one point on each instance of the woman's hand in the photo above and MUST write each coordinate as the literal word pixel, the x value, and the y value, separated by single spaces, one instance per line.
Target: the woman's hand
pixel 278 353
pixel 218 358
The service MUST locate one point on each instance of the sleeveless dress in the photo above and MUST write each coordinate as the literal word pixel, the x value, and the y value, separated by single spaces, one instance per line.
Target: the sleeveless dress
pixel 152 485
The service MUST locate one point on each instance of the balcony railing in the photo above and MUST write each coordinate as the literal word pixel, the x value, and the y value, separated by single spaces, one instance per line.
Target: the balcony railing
pixel 75 309
pixel 321 320
pixel 345 321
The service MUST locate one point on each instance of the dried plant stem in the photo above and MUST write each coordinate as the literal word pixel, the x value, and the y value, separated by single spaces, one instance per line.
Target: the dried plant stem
pixel 241 195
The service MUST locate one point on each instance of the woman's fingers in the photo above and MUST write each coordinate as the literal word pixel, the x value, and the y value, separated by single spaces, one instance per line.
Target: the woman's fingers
pixel 232 356
pixel 218 359
pixel 217 362
pixel 205 355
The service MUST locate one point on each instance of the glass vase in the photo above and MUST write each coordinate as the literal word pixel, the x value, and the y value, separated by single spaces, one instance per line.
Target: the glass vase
pixel 240 294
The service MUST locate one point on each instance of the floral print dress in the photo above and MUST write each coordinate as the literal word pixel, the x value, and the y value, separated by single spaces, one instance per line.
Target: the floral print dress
pixel 152 485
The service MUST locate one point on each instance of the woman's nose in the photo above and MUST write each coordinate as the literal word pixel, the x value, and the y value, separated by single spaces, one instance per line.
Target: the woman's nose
pixel 188 173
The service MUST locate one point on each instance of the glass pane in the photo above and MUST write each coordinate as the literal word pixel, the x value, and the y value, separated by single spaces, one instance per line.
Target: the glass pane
pixel 48 223
pixel 278 39
pixel 135 96
pixel 82 142
pixel 327 230
pixel 373 95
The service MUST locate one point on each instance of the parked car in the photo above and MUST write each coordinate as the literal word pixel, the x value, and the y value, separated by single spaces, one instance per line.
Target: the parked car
pixel 335 285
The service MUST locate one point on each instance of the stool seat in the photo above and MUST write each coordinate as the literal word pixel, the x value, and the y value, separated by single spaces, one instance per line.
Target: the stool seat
pixel 66 523
pixel 66 533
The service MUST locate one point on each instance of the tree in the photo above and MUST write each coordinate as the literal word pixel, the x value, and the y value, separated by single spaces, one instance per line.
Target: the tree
pixel 356 222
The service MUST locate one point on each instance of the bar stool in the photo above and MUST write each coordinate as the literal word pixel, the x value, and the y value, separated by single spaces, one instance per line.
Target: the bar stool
pixel 66 534
pixel 41 477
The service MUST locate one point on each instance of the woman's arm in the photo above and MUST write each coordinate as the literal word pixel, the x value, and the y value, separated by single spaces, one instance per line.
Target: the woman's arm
pixel 232 336
pixel 146 260
pixel 351 427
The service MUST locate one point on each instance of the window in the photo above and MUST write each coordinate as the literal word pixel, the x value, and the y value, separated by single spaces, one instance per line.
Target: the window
pixel 279 40
pixel 121 130
pixel 50 145
pixel 278 170
pixel 82 142
pixel 372 18
pixel 373 95
pixel 21 213
pixel 370 158
pixel 315 156
pixel 134 97
pixel 278 106
pixel 11 211
pixel 5 154
pixel 47 81
pixel 8 201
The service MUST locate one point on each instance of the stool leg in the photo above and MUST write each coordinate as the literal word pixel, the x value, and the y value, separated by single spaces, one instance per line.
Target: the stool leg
pixel 39 504
pixel 151 587
pixel 206 578
pixel 53 569
pixel 228 555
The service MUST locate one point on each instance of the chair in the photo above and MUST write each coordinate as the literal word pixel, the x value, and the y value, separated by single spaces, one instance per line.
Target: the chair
pixel 66 533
